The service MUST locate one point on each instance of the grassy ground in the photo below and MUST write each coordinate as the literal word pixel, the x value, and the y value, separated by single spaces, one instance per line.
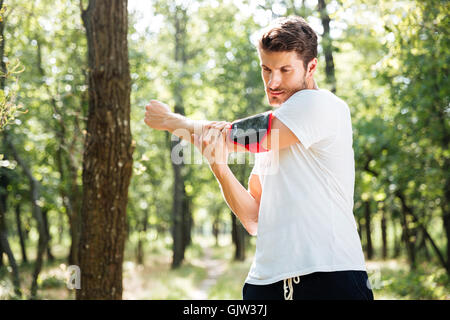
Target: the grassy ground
pixel 209 272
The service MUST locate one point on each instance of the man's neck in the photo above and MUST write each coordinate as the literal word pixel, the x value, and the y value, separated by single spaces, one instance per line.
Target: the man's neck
pixel 311 85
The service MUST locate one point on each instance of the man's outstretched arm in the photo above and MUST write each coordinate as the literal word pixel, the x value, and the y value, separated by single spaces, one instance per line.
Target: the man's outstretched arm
pixel 158 116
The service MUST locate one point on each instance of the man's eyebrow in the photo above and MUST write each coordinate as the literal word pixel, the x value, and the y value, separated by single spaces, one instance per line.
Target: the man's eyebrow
pixel 286 66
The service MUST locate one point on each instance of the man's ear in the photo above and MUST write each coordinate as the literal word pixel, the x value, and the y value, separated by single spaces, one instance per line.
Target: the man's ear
pixel 312 67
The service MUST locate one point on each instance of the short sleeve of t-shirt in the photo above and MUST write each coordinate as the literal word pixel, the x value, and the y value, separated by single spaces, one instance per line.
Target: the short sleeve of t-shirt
pixel 310 115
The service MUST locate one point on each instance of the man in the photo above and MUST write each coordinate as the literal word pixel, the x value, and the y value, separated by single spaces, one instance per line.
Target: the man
pixel 300 196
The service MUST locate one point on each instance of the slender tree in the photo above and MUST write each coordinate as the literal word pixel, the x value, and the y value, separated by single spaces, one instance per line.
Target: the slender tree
pixel 4 243
pixel 178 18
pixel 368 229
pixel 64 155
pixel 35 195
pixel 327 45
pixel 23 246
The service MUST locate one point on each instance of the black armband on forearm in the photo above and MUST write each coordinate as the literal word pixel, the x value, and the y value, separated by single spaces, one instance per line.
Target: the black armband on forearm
pixel 250 132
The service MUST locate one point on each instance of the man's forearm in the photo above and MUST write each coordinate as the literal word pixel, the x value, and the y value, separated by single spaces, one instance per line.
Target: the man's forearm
pixel 240 201
pixel 184 127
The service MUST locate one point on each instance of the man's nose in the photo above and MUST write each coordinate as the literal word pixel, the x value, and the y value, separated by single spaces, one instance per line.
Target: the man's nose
pixel 274 81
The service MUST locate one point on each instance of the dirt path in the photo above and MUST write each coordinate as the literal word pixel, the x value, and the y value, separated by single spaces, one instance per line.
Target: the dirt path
pixel 214 269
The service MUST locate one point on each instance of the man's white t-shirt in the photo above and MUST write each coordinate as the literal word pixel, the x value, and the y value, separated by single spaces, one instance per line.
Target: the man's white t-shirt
pixel 306 221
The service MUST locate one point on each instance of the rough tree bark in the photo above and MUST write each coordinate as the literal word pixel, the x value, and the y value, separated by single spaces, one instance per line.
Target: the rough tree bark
pixel 108 148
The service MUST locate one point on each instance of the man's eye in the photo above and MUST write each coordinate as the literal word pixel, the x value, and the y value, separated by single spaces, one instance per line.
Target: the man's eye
pixel 285 70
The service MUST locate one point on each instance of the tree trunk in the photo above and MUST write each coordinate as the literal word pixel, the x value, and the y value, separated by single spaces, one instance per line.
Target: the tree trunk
pixel 50 256
pixel 216 229
pixel 187 221
pixel 177 216
pixel 409 241
pixel 397 240
pixel 2 50
pixel 60 228
pixel 4 243
pixel 108 148
pixel 75 231
pixel 327 45
pixel 2 82
pixel 23 246
pixel 141 240
pixel 238 231
pixel 238 238
pixel 445 203
pixel 360 232
pixel 407 210
pixel 181 215
pixel 384 234
pixel 367 217
pixel 423 246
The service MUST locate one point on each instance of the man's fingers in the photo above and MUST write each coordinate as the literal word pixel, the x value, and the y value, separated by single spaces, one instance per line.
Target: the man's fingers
pixel 206 137
pixel 224 132
pixel 216 134
pixel 220 125
pixel 211 124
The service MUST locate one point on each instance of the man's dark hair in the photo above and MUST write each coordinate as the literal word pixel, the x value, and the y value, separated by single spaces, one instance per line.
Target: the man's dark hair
pixel 290 34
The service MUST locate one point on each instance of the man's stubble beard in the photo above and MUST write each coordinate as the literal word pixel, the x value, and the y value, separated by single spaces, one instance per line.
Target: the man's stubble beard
pixel 290 92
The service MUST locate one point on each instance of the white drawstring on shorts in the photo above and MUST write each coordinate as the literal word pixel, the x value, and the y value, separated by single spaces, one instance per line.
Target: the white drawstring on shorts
pixel 288 288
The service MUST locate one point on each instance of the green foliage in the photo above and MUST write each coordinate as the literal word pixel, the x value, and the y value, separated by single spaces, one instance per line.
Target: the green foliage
pixel 51 282
pixel 425 283
pixel 8 106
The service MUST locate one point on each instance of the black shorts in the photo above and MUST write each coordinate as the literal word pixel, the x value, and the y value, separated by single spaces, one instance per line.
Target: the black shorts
pixel 337 285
